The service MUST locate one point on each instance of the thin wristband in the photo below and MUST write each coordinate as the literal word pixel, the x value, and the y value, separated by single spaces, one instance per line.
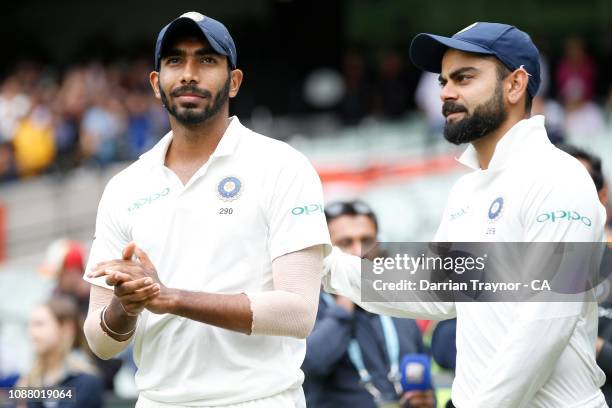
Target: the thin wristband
pixel 109 330
pixel 126 312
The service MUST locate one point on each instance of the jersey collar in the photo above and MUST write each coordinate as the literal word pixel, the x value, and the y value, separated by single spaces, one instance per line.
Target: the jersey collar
pixel 226 147
pixel 524 136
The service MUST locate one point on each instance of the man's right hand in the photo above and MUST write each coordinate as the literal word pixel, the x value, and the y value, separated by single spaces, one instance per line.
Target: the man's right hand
pixel 134 295
pixel 129 300
pixel 131 294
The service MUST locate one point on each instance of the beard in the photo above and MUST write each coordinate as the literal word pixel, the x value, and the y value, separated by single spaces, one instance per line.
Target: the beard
pixel 486 118
pixel 188 115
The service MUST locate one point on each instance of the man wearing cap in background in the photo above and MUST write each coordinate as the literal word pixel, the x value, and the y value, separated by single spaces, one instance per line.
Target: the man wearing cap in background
pixel 353 356
pixel 508 354
pixel 228 233
pixel 64 262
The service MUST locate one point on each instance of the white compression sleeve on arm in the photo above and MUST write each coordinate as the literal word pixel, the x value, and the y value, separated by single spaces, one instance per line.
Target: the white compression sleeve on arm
pixel 291 308
pixel 101 343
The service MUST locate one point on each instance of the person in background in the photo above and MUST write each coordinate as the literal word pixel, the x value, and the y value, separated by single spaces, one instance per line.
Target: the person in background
pixel 14 106
pixel 65 262
pixel 427 98
pixel 443 344
pixel 34 141
pixel 61 359
pixel 603 342
pixel 444 347
pixel 392 91
pixel 103 125
pixel 593 166
pixel 9 366
pixel 8 169
pixel 576 76
pixel 356 103
pixel 331 368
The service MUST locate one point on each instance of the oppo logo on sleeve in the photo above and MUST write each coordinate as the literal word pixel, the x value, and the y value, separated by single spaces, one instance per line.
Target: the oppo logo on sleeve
pixel 307 209
pixel 563 215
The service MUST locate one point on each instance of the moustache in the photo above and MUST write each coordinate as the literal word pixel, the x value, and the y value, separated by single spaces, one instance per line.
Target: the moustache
pixel 190 90
pixel 452 107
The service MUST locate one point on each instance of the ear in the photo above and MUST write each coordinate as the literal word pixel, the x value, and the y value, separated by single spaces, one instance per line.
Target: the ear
pixel 154 80
pixel 517 86
pixel 235 81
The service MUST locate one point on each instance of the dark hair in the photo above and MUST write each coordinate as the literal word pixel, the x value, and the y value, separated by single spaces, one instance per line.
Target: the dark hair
pixel 502 72
pixel 353 207
pixel 594 167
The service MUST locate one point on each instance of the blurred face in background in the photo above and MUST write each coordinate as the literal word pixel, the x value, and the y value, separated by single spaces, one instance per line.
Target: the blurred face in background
pixel 354 234
pixel 70 276
pixel 472 96
pixel 70 281
pixel 47 333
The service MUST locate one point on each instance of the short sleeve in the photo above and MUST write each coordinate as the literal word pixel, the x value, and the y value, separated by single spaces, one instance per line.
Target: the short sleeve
pixel 295 214
pixel 563 208
pixel 110 237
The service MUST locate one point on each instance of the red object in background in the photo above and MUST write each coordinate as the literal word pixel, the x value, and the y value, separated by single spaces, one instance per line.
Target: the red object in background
pixel 2 233
pixel 380 171
pixel 423 325
pixel 73 260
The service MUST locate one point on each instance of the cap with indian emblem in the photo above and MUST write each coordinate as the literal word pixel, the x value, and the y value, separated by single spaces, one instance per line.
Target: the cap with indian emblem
pixel 215 32
pixel 507 43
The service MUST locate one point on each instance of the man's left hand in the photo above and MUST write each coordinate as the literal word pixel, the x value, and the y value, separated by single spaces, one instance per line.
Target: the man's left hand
pixel 125 270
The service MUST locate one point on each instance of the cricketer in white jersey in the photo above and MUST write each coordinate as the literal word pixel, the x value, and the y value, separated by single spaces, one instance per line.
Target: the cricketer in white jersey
pixel 228 233
pixel 508 354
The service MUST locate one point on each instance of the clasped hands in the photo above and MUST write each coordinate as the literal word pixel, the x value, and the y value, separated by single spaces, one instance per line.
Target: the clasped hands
pixel 136 284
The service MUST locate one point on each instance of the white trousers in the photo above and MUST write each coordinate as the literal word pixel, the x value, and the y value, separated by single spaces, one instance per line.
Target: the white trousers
pixel 292 398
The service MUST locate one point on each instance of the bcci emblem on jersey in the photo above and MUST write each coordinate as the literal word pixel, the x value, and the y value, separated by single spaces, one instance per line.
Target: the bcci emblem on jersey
pixel 496 209
pixel 229 188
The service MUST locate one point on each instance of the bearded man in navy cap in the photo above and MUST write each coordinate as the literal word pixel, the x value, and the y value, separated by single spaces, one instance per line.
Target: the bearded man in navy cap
pixel 521 189
pixel 208 249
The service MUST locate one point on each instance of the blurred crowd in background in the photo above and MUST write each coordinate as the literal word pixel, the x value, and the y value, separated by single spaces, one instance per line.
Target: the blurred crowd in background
pixel 86 114
pixel 93 113
pixel 61 356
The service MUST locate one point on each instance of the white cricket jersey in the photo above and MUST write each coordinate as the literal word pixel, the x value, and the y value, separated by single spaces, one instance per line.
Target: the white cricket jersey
pixel 514 354
pixel 254 200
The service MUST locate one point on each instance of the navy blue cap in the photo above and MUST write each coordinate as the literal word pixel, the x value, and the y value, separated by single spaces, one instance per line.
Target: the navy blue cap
pixel 510 45
pixel 214 31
